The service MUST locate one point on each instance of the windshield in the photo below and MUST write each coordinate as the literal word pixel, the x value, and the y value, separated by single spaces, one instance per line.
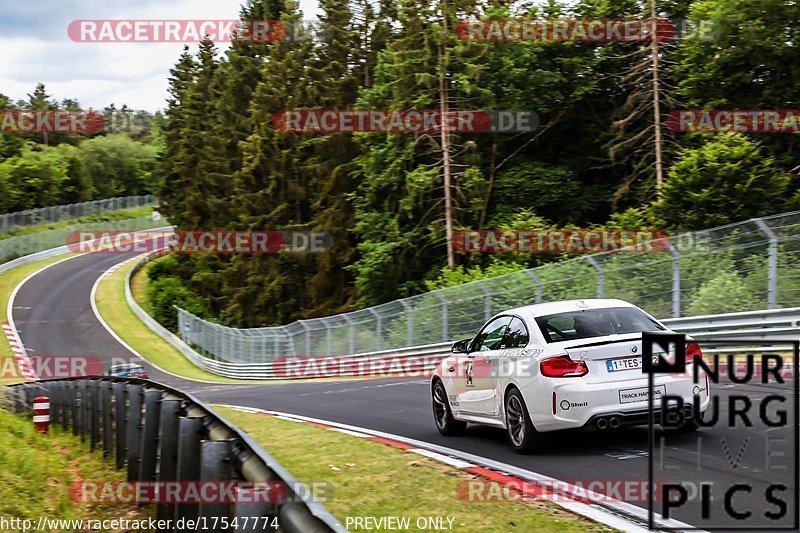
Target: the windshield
pixel 588 323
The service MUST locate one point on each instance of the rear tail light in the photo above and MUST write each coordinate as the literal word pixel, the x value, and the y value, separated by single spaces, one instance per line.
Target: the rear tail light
pixel 692 351
pixel 143 375
pixel 562 367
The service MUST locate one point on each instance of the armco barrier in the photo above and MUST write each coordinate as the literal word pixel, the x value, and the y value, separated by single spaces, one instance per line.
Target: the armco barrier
pixel 160 434
pixel 61 213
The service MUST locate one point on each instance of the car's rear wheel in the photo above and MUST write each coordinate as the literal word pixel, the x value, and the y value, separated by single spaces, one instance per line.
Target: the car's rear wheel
pixel 521 433
pixel 445 423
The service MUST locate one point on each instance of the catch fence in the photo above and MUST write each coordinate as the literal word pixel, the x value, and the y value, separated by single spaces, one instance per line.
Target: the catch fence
pixel 746 266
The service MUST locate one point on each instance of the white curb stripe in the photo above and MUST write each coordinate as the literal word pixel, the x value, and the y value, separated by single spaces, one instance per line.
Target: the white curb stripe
pixel 458 463
pixel 346 432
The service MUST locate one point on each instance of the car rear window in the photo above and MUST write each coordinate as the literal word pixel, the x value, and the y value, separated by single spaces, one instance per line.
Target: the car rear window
pixel 587 323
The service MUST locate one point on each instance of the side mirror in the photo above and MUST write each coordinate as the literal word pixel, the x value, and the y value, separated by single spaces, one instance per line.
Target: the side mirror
pixel 460 346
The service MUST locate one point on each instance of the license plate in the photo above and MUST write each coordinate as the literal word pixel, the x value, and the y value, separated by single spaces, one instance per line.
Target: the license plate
pixel 630 363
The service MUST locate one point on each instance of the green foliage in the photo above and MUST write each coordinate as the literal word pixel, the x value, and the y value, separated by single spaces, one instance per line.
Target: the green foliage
pixel 542 188
pixel 164 294
pixel 162 267
pixel 747 62
pixel 381 196
pixel 41 170
pixel 450 278
pixel 727 179
pixel 34 178
pixel 102 167
pixel 725 293
pixel 119 166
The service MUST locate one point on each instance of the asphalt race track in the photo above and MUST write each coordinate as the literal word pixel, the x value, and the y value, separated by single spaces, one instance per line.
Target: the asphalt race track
pixel 53 314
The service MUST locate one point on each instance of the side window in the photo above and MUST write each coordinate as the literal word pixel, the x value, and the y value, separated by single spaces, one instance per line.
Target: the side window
pixel 491 335
pixel 517 335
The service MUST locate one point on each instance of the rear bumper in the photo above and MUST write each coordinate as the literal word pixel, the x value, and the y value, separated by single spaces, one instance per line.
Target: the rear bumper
pixel 574 405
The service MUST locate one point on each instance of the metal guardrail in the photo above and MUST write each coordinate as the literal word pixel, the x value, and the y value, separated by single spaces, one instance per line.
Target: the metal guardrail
pixel 61 213
pixel 32 258
pixel 13 248
pixel 160 434
pixel 768 325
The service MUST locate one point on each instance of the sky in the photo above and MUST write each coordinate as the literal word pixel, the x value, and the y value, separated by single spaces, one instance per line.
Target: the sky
pixel 35 47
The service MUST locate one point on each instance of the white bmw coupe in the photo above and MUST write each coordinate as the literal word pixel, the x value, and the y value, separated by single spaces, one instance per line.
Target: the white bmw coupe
pixel 559 365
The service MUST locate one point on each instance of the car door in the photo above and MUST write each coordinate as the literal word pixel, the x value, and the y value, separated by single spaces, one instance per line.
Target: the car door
pixel 478 394
pixel 512 359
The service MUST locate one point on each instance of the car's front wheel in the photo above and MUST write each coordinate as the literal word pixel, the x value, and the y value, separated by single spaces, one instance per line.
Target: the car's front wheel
pixel 521 433
pixel 445 423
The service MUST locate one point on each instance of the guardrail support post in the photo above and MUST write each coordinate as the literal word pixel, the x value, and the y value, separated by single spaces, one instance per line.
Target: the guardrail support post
pixel 134 430
pixel 82 389
pixel 676 281
pixel 772 269
pixel 168 452
pixel 30 395
pixel 600 274
pixel 445 318
pixel 74 393
pixel 215 465
pixel 487 301
pixel 120 421
pixel 56 407
pixel 307 335
pixel 86 408
pixel 95 413
pixel 351 341
pixel 108 417
pixel 149 439
pixel 409 322
pixel 378 331
pixel 188 464
pixel 537 282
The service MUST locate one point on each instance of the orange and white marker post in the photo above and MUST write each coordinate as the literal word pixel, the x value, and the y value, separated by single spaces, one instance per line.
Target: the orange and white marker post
pixel 41 414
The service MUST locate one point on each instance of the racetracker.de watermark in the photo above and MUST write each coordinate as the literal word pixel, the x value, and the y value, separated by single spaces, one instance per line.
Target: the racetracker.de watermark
pixel 581 490
pixel 54 367
pixel 297 367
pixel 200 242
pixel 175 31
pixel 740 121
pixel 560 241
pixel 582 30
pixel 404 121
pixel 168 492
pixel 50 121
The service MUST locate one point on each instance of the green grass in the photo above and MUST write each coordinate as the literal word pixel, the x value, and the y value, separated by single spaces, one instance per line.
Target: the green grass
pixel 36 472
pixel 8 282
pixel 118 214
pixel 111 304
pixel 140 287
pixel 372 479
